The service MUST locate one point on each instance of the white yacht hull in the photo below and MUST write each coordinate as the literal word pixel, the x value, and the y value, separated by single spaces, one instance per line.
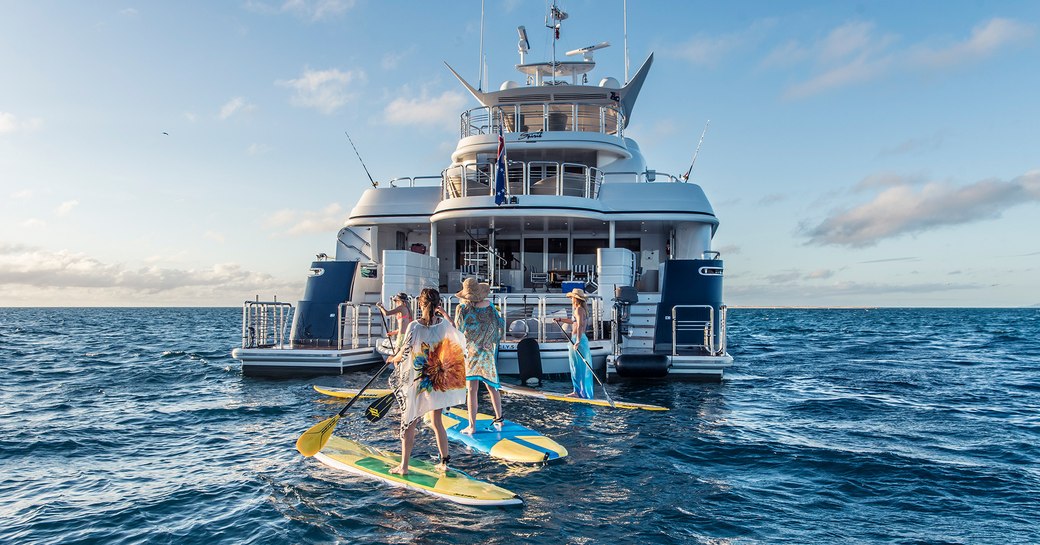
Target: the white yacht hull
pixel 555 357
pixel 282 361
pixel 701 368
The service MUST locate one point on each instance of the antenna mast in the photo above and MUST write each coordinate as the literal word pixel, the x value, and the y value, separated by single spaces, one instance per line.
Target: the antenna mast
pixel 374 183
pixel 480 70
pixel 557 15
pixel 686 177
pixel 625 3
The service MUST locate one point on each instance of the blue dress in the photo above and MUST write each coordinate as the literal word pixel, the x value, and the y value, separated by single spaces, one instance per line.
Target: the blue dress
pixel 581 375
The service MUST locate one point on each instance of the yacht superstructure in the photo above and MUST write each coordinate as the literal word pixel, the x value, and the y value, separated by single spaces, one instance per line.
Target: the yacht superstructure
pixel 544 193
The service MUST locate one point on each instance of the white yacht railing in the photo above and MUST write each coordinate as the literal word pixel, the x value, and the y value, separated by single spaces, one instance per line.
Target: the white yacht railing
pixel 352 331
pixel 415 181
pixel 707 326
pixel 540 116
pixel 524 178
pixel 534 312
pixel 264 323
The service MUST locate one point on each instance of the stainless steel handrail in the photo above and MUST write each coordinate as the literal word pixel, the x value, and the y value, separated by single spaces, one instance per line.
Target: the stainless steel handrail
pixel 532 117
pixel 349 314
pixel 264 323
pixel 693 325
pixel 473 180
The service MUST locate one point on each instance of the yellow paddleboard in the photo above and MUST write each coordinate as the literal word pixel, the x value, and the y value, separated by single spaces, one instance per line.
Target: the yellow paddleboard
pixel 452 485
pixel 530 392
pixel 352 392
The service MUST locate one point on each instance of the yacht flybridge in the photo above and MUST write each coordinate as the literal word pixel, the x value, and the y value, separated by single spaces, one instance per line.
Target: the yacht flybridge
pixel 544 194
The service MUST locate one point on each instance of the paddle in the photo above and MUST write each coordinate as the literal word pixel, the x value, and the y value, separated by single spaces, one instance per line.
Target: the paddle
pixel 380 407
pixel 589 365
pixel 314 439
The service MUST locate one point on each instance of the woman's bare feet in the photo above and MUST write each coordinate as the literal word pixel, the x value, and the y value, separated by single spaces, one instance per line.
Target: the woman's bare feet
pixel 572 394
pixel 468 430
pixel 399 470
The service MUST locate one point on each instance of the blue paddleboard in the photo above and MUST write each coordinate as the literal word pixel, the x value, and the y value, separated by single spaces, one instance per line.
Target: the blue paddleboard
pixel 515 443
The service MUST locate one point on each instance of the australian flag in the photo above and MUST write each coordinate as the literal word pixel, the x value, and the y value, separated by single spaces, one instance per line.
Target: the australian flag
pixel 500 171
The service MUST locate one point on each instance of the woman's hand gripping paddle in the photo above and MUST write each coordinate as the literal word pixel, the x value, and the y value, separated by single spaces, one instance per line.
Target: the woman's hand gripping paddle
pixel 314 439
pixel 589 365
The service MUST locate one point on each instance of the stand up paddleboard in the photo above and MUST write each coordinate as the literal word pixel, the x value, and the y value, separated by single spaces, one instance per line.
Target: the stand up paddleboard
pixel 352 392
pixel 374 463
pixel 515 443
pixel 531 392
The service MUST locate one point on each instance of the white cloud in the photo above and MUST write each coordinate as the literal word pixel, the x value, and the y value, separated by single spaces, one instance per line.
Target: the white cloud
pixel 234 106
pixel 304 222
pixel 128 12
pixel 986 38
pixel 33 266
pixel 9 123
pixel 191 117
pixel 426 110
pixel 391 60
pixel 64 208
pixel 33 223
pixel 311 10
pixel 214 236
pixel 851 53
pixel 856 53
pixel 23 194
pixel 710 50
pixel 907 208
pixel 323 90
pixel 258 149
pixel 916 145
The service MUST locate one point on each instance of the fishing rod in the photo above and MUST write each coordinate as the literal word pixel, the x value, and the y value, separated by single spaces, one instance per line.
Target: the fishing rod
pixel 374 183
pixel 686 177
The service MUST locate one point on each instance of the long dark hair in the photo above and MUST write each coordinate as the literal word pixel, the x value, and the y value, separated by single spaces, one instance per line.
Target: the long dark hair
pixel 429 299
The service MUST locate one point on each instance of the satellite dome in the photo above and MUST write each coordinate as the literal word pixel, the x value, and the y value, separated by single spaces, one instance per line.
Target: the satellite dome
pixel 609 82
pixel 508 84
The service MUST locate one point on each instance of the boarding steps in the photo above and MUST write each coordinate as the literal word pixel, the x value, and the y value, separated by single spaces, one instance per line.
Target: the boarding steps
pixel 642 319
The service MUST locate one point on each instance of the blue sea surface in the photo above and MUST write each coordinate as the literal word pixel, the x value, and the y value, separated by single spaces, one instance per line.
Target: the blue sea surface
pixel 123 426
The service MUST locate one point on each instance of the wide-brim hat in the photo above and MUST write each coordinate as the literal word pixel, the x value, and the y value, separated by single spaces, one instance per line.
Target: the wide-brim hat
pixel 473 291
pixel 578 293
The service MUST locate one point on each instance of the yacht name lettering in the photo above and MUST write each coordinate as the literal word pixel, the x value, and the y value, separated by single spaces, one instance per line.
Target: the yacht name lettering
pixel 530 135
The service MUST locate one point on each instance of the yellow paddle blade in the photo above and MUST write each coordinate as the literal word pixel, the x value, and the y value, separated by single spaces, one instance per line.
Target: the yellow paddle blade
pixel 315 438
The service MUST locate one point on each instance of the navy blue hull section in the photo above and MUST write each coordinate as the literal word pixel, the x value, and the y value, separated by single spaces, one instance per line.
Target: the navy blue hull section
pixel 687 282
pixel 314 323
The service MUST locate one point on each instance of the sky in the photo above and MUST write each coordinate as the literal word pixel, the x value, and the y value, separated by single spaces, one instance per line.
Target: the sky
pixel 192 153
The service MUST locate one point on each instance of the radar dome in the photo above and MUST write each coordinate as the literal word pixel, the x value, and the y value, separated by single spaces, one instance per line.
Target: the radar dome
pixel 508 84
pixel 609 82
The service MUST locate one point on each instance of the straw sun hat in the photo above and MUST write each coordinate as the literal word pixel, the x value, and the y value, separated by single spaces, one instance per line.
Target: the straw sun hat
pixel 473 291
pixel 577 293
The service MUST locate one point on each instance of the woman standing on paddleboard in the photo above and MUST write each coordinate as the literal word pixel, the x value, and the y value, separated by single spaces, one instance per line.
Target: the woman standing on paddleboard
pixel 482 325
pixel 400 309
pixel 432 377
pixel 581 375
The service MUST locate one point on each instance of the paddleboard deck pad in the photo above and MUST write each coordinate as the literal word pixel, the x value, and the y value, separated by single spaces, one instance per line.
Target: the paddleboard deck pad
pixel 352 392
pixel 452 485
pixel 531 392
pixel 514 443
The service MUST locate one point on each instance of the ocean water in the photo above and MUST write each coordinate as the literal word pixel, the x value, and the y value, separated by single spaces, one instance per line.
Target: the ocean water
pixel 122 426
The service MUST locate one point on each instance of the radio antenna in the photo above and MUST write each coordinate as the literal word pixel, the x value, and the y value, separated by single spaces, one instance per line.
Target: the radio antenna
pixel 374 183
pixel 686 177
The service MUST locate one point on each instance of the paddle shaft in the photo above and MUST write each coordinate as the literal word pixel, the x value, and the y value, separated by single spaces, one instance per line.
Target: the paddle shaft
pixel 587 364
